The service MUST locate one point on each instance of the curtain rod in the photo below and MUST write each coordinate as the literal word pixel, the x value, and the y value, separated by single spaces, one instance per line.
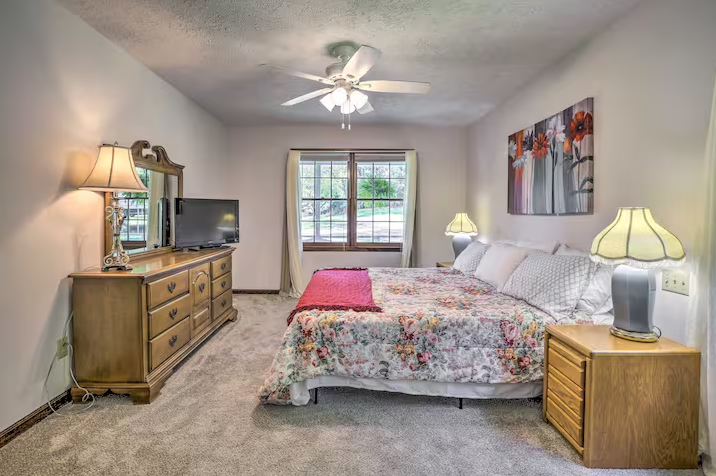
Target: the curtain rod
pixel 374 151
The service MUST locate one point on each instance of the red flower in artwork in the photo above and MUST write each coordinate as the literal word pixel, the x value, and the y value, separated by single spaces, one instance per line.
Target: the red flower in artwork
pixel 541 146
pixel 580 126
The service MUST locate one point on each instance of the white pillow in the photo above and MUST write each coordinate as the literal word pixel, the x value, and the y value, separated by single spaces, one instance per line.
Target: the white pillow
pixel 597 298
pixel 470 257
pixel 499 262
pixel 547 247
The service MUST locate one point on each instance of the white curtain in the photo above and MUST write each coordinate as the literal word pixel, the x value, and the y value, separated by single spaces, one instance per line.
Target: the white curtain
pixel 407 258
pixel 292 279
pixel 702 313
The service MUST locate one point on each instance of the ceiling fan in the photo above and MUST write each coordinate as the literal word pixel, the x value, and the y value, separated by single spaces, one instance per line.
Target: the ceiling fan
pixel 344 82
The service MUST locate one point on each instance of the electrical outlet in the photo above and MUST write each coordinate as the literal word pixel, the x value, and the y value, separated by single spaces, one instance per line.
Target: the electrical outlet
pixel 675 281
pixel 62 347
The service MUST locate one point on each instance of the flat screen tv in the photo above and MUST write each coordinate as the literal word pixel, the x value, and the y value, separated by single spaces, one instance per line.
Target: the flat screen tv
pixel 203 222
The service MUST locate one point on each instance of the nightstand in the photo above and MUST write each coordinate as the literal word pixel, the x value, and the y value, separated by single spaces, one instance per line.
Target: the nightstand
pixel 444 264
pixel 622 404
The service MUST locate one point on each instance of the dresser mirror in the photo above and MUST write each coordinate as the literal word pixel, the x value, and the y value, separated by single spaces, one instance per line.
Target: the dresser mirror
pixel 148 226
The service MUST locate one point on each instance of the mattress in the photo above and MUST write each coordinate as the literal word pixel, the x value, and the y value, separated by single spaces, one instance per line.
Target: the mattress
pixel 437 325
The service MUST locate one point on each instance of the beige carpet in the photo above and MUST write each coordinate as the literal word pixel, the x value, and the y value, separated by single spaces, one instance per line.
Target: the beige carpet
pixel 207 422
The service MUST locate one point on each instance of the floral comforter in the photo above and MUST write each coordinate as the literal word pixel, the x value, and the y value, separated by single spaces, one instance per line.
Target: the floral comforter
pixel 437 324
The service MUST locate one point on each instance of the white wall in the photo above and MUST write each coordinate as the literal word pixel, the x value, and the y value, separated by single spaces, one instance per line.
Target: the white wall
pixel 65 89
pixel 652 76
pixel 258 156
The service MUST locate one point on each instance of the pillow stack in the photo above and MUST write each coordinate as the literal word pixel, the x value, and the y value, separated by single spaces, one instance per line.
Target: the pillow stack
pixel 558 283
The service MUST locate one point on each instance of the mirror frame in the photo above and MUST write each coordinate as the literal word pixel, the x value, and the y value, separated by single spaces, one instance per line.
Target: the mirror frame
pixel 158 162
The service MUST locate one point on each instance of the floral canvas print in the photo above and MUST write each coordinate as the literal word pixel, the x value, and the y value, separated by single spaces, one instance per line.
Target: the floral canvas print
pixel 551 164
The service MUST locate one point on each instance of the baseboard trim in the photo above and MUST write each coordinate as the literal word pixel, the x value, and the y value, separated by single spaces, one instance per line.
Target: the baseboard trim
pixel 15 430
pixel 255 291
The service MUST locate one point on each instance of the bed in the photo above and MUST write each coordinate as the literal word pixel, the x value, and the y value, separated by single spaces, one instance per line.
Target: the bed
pixel 440 332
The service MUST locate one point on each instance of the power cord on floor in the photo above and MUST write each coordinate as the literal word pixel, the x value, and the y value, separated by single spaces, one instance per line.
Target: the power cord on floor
pixel 87 397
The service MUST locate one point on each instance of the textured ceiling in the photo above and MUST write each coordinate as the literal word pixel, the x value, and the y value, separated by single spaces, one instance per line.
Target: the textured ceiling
pixel 474 52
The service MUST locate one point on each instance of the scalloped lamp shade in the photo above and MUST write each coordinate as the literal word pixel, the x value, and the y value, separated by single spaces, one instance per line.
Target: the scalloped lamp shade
pixel 114 172
pixel 635 239
pixel 461 224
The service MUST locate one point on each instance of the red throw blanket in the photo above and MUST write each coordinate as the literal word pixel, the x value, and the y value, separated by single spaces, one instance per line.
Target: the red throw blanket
pixel 338 289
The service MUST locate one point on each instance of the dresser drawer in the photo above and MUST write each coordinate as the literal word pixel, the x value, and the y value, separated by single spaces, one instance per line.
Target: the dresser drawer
pixel 167 288
pixel 220 267
pixel 165 344
pixel 199 320
pixel 567 391
pixel 572 371
pixel 221 304
pixel 220 286
pixel 169 314
pixel 568 427
pixel 200 283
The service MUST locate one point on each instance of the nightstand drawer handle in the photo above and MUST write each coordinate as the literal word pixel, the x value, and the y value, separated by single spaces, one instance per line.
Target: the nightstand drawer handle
pixel 223 303
pixel 223 266
pixel 171 287
pixel 223 284
pixel 201 287
pixel 173 313
pixel 173 340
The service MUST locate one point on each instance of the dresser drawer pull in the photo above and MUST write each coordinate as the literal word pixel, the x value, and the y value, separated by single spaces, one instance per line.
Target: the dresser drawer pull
pixel 223 284
pixel 201 287
pixel 223 303
pixel 171 287
pixel 173 340
pixel 223 266
pixel 173 313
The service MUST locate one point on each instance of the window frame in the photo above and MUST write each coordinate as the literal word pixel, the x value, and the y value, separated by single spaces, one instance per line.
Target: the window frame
pixel 352 223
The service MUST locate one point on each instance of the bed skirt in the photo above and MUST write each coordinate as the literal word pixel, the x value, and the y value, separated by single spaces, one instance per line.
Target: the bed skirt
pixel 300 391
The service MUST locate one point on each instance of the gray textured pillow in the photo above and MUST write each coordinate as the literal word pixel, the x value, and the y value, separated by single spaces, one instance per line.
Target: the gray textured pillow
pixel 552 283
pixel 470 257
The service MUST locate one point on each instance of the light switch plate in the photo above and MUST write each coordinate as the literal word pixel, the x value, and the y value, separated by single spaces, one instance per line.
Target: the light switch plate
pixel 675 281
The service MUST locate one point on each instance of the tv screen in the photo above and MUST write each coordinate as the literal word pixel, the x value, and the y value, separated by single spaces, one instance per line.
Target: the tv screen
pixel 204 222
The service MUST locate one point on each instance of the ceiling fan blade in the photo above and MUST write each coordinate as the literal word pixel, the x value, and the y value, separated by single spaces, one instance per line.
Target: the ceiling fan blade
pixel 407 87
pixel 308 96
pixel 312 77
pixel 365 109
pixel 361 62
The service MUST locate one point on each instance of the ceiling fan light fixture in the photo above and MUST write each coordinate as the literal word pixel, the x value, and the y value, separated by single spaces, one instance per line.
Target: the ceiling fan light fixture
pixel 328 102
pixel 339 96
pixel 348 107
pixel 358 99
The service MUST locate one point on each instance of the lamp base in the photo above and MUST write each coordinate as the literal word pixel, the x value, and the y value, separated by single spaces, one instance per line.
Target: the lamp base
pixel 634 336
pixel 459 242
pixel 117 258
pixel 633 294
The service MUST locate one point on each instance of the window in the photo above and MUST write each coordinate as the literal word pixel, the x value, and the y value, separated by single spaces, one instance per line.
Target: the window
pixel 352 201
pixel 134 228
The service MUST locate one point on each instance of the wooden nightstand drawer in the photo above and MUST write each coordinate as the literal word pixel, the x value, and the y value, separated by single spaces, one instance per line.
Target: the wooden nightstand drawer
pixel 566 367
pixel 567 426
pixel 571 395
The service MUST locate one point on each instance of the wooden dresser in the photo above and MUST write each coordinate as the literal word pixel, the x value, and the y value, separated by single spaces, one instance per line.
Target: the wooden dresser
pixel 622 404
pixel 131 328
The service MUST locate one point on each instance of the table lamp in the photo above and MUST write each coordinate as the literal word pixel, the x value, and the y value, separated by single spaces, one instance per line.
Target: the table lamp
pixel 638 244
pixel 114 172
pixel 462 229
